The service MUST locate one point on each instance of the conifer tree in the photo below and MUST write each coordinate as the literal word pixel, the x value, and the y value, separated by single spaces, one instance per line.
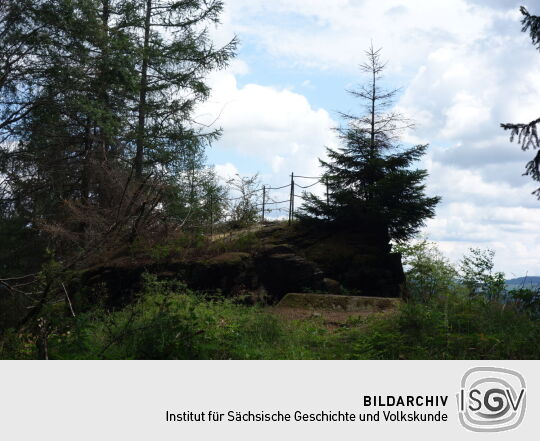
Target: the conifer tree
pixel 98 96
pixel 176 54
pixel 80 113
pixel 527 133
pixel 370 180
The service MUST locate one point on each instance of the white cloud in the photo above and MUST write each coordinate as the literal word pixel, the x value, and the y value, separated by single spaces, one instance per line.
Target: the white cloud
pixel 466 68
pixel 226 171
pixel 460 226
pixel 278 127
pixel 277 164
pixel 464 115
pixel 462 94
pixel 333 34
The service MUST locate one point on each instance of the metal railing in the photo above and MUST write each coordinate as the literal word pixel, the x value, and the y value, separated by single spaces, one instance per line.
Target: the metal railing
pixel 292 194
pixel 267 204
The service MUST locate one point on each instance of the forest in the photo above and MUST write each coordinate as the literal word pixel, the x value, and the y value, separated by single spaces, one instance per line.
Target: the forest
pixel 120 241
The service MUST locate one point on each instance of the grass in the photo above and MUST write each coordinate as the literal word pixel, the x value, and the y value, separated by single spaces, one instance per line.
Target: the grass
pixel 170 322
pixel 448 328
pixel 196 246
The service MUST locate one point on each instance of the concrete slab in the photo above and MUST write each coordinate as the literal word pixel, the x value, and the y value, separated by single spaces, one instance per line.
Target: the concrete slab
pixel 335 302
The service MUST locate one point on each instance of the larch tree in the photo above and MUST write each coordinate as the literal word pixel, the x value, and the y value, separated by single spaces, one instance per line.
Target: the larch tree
pixel 370 179
pixel 176 55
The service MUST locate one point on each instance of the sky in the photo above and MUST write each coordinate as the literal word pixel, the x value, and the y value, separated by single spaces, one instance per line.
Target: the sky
pixel 463 66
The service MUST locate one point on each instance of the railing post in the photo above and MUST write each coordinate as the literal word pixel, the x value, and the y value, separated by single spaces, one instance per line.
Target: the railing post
pixel 292 193
pixel 291 201
pixel 264 200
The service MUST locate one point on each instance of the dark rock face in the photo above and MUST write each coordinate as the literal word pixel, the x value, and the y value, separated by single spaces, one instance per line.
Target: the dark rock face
pixel 228 272
pixel 359 261
pixel 281 273
pixel 271 273
pixel 285 261
pixel 289 261
pixel 114 285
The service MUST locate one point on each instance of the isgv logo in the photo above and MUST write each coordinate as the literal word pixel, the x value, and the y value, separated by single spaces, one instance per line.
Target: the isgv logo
pixel 491 399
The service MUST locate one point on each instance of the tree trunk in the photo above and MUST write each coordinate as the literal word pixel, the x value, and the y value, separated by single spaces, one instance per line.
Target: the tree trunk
pixel 142 94
pixel 103 88
pixel 373 99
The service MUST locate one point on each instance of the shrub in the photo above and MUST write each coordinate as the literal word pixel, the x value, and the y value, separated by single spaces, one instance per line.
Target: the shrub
pixel 453 327
pixel 169 321
pixel 427 271
pixel 527 300
pixel 477 274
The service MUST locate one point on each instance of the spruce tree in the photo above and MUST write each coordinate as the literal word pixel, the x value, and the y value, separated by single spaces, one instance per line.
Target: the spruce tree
pixel 20 38
pixel 527 133
pixel 80 113
pixel 371 183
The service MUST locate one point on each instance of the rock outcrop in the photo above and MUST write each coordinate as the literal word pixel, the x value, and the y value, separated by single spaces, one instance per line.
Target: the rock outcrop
pixel 283 260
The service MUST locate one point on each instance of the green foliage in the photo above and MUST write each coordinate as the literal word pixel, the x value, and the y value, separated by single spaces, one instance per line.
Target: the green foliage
pixel 478 276
pixel 454 327
pixel 176 53
pixel 245 209
pixel 196 200
pixel 527 300
pixel 428 271
pixel 370 180
pixel 172 247
pixel 19 41
pixel 98 106
pixel 245 242
pixel 168 321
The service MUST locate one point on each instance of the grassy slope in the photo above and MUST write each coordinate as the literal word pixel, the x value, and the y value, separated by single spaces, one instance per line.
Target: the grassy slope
pixel 169 322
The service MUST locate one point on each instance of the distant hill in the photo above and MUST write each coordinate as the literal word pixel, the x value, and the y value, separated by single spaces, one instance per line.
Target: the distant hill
pixel 525 282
